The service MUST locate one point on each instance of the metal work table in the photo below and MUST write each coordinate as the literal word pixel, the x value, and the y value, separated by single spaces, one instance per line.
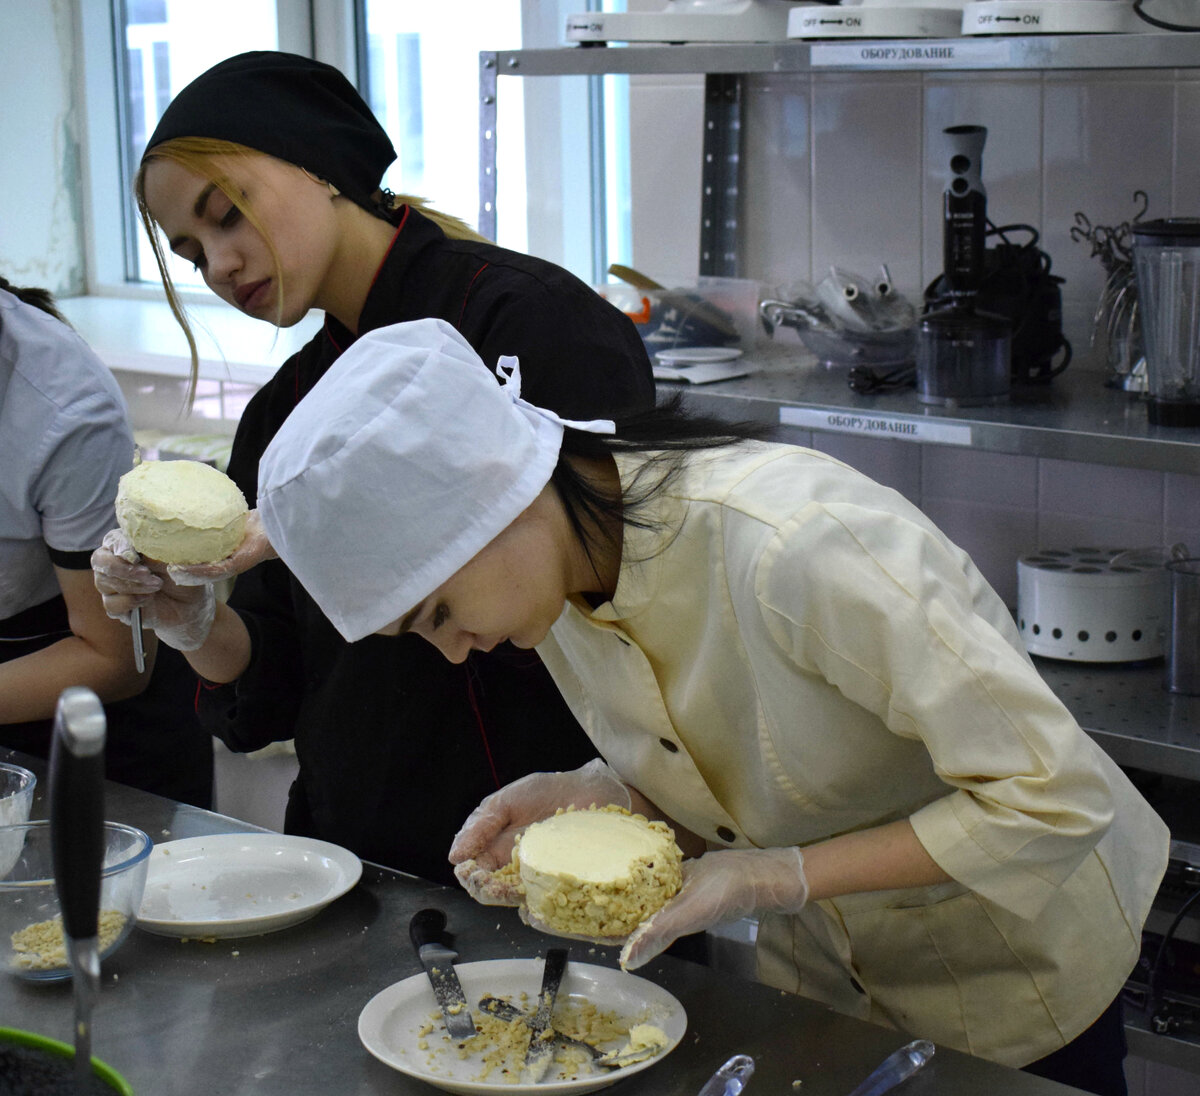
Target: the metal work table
pixel 278 1014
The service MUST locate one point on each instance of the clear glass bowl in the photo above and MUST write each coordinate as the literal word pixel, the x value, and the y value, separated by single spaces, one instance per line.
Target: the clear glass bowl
pixel 31 938
pixel 16 793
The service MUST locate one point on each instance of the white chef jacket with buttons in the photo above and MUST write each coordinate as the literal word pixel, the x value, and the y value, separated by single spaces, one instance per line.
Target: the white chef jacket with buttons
pixel 804 654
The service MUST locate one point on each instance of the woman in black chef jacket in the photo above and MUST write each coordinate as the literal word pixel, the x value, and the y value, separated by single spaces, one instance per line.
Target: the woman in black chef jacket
pixel 265 173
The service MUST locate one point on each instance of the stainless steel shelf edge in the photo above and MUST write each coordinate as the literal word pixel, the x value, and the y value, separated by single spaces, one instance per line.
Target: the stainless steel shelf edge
pixel 1076 51
pixel 1074 417
pixel 1125 709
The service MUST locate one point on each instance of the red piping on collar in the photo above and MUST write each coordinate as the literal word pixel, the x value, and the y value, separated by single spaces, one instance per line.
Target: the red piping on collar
pixel 470 286
pixel 473 700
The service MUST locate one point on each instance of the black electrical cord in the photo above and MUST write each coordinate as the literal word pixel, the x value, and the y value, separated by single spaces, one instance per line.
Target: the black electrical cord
pixel 1155 969
pixel 865 381
pixel 1162 24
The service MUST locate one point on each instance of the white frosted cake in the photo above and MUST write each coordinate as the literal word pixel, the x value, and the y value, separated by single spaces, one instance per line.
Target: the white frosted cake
pixel 598 872
pixel 181 511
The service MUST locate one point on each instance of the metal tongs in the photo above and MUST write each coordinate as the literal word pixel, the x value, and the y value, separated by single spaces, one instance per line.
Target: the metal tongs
pixel 77 843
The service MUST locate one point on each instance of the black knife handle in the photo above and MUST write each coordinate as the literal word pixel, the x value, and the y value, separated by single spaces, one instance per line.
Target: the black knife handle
pixel 428 927
pixel 77 808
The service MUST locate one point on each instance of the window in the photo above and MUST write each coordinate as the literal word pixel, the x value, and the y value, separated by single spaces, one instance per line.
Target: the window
pixel 418 67
pixel 422 83
pixel 165 44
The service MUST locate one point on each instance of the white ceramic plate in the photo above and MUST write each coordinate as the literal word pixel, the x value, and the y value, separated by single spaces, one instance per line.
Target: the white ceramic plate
pixel 393 1019
pixel 690 355
pixel 242 884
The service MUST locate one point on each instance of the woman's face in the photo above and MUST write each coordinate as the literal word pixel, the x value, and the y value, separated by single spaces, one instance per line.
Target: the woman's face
pixel 203 226
pixel 514 589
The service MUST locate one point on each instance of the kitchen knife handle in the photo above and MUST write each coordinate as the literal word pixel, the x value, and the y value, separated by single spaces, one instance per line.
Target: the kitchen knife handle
pixel 428 927
pixel 77 808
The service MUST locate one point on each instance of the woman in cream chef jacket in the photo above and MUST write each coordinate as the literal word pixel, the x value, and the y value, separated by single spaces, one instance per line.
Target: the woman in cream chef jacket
pixel 784 659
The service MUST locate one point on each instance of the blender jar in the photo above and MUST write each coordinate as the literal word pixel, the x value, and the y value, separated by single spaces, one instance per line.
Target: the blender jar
pixel 1166 256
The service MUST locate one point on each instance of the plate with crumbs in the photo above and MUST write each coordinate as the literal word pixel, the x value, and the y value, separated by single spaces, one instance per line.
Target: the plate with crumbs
pixel 242 884
pixel 403 1028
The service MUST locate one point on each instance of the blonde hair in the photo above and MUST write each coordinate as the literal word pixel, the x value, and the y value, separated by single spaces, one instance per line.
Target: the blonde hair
pixel 196 154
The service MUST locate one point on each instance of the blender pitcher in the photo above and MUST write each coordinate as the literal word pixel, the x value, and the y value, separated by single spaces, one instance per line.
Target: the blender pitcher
pixel 1166 256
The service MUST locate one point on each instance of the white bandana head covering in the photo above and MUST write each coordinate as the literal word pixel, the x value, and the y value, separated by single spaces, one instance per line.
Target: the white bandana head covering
pixel 404 460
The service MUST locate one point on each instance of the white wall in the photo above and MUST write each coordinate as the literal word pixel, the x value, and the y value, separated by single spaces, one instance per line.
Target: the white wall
pixel 40 226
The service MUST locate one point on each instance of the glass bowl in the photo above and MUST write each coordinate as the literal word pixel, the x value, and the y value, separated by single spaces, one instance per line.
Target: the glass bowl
pixel 16 794
pixel 31 937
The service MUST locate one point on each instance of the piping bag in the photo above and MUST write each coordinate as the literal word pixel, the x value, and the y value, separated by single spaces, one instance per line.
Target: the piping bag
pixel 77 844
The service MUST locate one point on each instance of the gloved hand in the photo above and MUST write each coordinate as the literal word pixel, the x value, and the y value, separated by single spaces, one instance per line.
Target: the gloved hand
pixel 254 548
pixel 484 844
pixel 180 617
pixel 721 886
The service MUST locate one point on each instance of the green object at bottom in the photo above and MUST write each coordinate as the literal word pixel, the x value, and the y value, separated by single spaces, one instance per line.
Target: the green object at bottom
pixel 63 1050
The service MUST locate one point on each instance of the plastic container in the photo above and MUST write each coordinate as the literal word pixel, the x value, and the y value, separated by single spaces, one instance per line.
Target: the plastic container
pixel 19 1047
pixel 17 785
pixel 1166 258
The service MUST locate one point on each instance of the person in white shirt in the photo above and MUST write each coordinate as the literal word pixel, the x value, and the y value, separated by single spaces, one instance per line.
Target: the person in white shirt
pixel 65 440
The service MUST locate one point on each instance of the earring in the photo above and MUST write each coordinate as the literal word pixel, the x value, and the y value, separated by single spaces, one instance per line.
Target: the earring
pixel 333 191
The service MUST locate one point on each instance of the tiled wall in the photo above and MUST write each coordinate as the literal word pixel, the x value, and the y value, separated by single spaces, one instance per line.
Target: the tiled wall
pixel 849 168
pixel 846 169
pixel 998 507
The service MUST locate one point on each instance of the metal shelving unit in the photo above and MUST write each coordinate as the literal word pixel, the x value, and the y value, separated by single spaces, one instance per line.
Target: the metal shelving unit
pixel 1073 418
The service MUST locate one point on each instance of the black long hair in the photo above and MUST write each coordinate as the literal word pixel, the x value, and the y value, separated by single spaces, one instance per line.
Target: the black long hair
pixel 669 434
pixel 39 298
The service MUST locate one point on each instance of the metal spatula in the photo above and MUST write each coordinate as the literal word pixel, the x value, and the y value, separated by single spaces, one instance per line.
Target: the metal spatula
pixel 77 842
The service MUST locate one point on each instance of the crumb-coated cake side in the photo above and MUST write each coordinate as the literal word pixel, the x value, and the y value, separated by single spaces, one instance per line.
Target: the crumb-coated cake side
pixel 597 872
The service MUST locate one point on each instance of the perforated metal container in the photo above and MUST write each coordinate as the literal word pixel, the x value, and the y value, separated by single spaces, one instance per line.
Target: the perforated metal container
pixel 1092 604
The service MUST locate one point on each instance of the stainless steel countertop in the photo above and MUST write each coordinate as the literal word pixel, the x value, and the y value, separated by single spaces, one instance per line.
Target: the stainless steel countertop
pixel 278 1014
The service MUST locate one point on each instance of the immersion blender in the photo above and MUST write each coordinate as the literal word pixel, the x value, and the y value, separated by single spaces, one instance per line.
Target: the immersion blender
pixel 77 843
pixel 964 355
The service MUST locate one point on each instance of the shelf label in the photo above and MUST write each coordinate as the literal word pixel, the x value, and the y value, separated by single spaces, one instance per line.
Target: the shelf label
pixel 911 54
pixel 876 426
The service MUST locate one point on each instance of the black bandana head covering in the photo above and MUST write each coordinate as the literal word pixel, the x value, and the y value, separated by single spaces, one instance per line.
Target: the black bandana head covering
pixel 290 107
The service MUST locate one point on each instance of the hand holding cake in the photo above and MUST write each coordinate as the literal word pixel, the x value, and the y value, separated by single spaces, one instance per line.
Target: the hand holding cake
pixel 482 849
pixel 170 513
pixel 717 887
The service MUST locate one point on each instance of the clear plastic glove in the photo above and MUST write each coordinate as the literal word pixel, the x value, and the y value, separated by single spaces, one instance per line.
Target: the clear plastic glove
pixel 254 548
pixel 721 886
pixel 484 844
pixel 180 617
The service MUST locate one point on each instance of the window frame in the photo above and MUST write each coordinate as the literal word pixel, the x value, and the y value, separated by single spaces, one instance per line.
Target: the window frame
pixel 325 29
pixel 332 31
